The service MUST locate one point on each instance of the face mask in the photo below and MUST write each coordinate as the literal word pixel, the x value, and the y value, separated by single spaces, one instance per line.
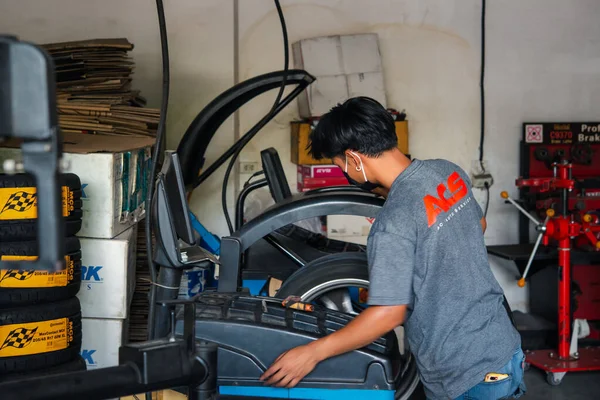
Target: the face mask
pixel 366 185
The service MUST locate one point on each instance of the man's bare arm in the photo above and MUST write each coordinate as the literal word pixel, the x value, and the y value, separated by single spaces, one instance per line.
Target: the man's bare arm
pixel 367 327
pixel 483 224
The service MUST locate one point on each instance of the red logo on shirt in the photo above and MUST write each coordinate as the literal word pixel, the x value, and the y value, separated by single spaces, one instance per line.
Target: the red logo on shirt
pixel 435 205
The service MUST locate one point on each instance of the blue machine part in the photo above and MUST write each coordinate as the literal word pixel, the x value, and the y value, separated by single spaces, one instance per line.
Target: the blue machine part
pixel 208 241
pixel 306 393
pixel 196 280
pixel 255 286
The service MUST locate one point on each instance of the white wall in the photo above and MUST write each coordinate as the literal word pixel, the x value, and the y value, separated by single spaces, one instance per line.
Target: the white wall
pixel 201 60
pixel 543 58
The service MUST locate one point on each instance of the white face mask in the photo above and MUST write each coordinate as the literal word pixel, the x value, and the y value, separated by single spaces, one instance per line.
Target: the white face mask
pixel 366 185
pixel 361 168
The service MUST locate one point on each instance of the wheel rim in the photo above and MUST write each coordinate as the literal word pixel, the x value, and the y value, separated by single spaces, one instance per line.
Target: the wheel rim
pixel 334 294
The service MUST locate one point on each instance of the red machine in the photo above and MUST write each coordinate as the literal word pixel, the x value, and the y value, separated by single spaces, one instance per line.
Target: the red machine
pixel 564 226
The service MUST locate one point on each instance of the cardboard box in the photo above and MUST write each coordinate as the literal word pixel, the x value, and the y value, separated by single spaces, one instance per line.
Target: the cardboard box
pixel 113 172
pixel 338 55
pixel 368 84
pixel 300 133
pixel 362 240
pixel 160 395
pixel 196 280
pixel 320 171
pixel 338 63
pixel 348 225
pixel 306 184
pixel 322 95
pixel 108 275
pixel 321 56
pixel 101 341
pixel 360 53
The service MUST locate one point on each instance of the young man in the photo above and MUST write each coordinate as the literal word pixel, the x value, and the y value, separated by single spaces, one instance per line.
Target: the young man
pixel 428 267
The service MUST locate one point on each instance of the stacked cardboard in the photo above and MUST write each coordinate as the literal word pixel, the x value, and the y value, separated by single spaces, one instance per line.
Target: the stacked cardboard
pixel 138 313
pixel 94 92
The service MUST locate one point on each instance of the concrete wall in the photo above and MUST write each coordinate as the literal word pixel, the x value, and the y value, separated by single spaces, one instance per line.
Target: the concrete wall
pixel 542 64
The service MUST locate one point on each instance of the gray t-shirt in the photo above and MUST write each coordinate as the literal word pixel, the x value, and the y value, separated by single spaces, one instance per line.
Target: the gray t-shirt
pixel 426 250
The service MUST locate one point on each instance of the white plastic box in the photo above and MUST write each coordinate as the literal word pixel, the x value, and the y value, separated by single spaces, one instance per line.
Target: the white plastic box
pixel 113 171
pixel 101 341
pixel 108 275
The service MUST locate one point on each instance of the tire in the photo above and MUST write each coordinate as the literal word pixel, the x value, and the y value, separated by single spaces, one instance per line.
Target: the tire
pixel 72 366
pixel 19 225
pixel 19 288
pixel 334 270
pixel 25 292
pixel 332 273
pixel 30 248
pixel 19 230
pixel 24 333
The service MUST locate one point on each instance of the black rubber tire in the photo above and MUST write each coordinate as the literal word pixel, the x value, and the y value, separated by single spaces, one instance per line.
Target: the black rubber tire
pixel 27 229
pixel 72 366
pixel 69 308
pixel 16 297
pixel 20 229
pixel 13 297
pixel 30 248
pixel 325 269
pixel 320 242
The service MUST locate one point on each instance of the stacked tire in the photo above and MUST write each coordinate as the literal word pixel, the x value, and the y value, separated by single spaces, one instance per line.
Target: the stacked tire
pixel 40 315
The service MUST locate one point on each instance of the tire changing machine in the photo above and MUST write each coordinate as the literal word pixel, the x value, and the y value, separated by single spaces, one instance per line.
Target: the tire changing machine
pixel 219 343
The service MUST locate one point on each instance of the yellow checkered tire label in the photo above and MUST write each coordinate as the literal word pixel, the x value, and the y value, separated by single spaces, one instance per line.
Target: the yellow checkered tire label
pixel 35 337
pixel 21 203
pixel 17 278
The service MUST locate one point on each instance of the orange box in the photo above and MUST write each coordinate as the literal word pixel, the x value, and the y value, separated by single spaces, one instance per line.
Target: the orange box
pixel 300 132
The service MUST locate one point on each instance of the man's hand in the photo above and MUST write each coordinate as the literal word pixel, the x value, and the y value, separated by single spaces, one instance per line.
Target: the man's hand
pixel 292 366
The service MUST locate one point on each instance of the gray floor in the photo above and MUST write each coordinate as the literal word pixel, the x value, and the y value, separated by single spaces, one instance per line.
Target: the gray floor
pixel 575 386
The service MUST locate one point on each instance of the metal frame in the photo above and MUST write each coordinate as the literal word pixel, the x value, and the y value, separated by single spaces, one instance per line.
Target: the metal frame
pixel 194 143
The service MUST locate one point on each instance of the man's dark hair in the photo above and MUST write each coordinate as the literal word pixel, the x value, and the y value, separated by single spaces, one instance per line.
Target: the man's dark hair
pixel 360 124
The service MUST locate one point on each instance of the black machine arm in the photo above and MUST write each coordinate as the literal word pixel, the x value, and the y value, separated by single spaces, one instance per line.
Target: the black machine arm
pixel 195 141
pixel 28 113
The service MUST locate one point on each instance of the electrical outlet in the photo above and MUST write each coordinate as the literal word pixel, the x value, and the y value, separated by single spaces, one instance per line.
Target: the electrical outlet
pixel 248 167
pixel 481 181
pixel 480 175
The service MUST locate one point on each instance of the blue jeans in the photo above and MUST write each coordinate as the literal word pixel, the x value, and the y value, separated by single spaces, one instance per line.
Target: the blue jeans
pixel 511 388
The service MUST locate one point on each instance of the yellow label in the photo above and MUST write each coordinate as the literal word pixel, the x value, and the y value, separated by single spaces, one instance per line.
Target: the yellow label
pixel 18 278
pixel 35 337
pixel 21 203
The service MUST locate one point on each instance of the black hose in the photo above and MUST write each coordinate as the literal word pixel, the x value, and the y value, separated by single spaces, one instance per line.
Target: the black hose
pixel 271 112
pixel 481 86
pixel 157 152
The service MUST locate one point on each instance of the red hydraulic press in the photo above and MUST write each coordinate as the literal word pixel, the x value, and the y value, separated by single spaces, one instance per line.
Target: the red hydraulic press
pixel 563 227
